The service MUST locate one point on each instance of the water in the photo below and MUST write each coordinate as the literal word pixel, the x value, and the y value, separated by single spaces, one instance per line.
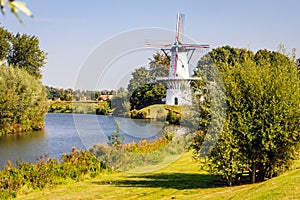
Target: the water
pixel 64 131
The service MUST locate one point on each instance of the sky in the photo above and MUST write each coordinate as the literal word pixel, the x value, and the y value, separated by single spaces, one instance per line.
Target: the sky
pixel 96 44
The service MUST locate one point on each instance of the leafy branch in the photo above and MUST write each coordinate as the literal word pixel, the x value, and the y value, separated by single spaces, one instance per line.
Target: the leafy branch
pixel 15 7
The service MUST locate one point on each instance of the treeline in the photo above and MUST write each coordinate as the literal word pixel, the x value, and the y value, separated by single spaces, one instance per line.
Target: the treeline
pixel 23 102
pixel 95 107
pixel 80 101
pixel 77 95
pixel 141 91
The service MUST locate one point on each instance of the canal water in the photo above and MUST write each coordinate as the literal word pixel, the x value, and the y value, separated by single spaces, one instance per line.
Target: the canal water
pixel 64 131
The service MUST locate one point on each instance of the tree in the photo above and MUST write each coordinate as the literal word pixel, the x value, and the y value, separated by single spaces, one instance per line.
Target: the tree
pixel 4 44
pixel 139 77
pixel 103 108
pixel 121 90
pixel 113 92
pixel 97 95
pixel 23 102
pixel 120 104
pixel 53 93
pixel 147 94
pixel 143 88
pixel 26 54
pixel 116 139
pixel 298 63
pixel 159 66
pixel 23 51
pixel 261 131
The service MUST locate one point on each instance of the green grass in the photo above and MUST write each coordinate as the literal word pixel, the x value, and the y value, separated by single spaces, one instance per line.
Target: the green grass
pixel 154 110
pixel 181 179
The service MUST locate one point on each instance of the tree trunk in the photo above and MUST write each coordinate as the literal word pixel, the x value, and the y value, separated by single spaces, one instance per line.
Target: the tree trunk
pixel 253 174
pixel 230 180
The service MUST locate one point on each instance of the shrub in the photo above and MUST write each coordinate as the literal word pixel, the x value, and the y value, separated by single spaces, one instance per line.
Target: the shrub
pixel 103 108
pixel 135 114
pixel 173 118
pixel 23 102
pixel 116 139
pixel 46 172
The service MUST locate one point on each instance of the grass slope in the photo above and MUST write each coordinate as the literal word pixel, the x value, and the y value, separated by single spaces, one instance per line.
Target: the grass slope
pixel 156 110
pixel 182 179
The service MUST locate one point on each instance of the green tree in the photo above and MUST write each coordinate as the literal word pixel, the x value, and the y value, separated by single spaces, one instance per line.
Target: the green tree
pixel 53 93
pixel 159 66
pixel 5 37
pixel 261 131
pixel 23 101
pixel 97 95
pixel 146 95
pixel 143 88
pixel 139 77
pixel 69 97
pixel 103 108
pixel 25 53
pixel 116 139
pixel 120 104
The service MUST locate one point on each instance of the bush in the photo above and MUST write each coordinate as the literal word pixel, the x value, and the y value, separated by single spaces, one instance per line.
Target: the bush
pixel 103 108
pixel 77 165
pixel 173 118
pixel 138 114
pixel 23 102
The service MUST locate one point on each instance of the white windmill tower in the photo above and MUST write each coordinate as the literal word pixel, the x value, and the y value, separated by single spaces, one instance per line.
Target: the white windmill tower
pixel 178 82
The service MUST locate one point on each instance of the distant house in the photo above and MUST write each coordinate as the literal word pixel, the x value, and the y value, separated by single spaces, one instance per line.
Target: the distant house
pixel 105 97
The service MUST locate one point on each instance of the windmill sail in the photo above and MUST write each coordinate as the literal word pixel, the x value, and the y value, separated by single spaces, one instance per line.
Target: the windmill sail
pixel 179 27
pixel 178 81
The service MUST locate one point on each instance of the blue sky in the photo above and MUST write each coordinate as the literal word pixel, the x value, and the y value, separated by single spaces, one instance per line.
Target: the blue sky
pixel 70 30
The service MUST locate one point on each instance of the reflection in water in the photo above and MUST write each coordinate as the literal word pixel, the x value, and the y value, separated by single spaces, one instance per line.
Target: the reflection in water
pixel 22 146
pixel 64 131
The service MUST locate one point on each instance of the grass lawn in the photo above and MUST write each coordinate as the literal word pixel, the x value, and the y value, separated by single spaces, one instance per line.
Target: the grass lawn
pixel 182 179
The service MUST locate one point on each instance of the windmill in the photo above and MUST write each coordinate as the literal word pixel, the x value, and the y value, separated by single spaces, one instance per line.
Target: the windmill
pixel 178 81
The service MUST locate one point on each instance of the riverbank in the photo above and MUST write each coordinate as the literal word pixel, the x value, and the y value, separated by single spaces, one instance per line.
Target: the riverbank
pixel 157 111
pixel 80 107
pixel 180 180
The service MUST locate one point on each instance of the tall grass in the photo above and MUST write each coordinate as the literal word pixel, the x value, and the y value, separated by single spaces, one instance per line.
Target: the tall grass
pixel 128 156
pixel 47 172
